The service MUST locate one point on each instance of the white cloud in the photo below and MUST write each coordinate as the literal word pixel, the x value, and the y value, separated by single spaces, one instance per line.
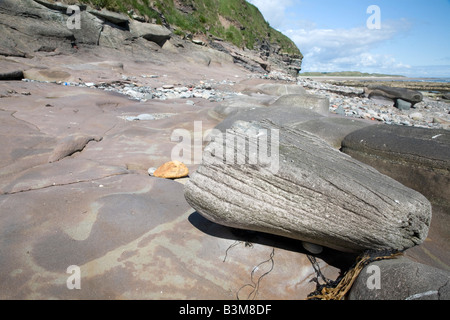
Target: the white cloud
pixel 347 49
pixel 337 49
pixel 273 11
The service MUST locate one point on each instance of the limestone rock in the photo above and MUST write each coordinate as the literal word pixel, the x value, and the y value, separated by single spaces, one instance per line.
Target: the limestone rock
pixel 151 32
pixel 27 24
pixel 172 170
pixel 401 279
pixel 232 105
pixel 393 93
pixel 333 129
pixel 11 75
pixel 306 190
pixel 419 158
pixel 114 17
pixel 91 30
pixel 319 104
pixel 402 104
pixel 281 115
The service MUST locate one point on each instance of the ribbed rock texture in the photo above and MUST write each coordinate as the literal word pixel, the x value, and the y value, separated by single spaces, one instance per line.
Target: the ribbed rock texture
pixel 305 190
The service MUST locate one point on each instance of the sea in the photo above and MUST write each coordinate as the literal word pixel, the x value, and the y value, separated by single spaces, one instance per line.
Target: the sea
pixel 441 80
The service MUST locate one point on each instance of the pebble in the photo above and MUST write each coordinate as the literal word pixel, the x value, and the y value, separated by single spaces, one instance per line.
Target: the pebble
pixel 345 101
pixel 350 102
pixel 172 170
pixel 312 248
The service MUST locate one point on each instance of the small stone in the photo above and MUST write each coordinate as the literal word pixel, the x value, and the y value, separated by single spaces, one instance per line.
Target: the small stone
pixel 340 110
pixel 416 116
pixel 151 171
pixel 402 104
pixel 168 86
pixel 146 116
pixel 172 170
pixel 312 248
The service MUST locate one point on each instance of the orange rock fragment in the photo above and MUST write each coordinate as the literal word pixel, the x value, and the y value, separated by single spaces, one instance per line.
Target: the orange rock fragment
pixel 172 170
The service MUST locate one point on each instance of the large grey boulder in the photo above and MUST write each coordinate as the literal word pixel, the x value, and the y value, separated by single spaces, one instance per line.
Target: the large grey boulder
pixel 333 129
pixel 113 17
pixel 25 26
pixel 401 279
pixel 394 93
pixel 417 157
pixel 304 190
pixel 151 32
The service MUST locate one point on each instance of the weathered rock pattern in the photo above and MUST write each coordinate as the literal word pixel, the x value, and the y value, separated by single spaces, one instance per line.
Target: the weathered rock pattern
pixel 281 115
pixel 417 157
pixel 311 102
pixel 351 102
pixel 276 89
pixel 133 236
pixel 93 205
pixel 29 26
pixel 332 129
pixel 401 279
pixel 318 194
pixel 151 32
pixel 70 145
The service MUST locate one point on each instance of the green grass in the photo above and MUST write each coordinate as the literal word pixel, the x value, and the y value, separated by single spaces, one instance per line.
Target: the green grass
pixel 247 25
pixel 141 7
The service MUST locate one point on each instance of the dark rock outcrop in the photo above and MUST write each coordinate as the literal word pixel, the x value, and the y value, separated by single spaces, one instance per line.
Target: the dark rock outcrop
pixel 27 26
pixel 394 93
pixel 401 279
pixel 419 158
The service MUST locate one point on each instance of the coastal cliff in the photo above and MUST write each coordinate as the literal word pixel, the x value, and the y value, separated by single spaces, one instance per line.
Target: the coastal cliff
pixel 234 28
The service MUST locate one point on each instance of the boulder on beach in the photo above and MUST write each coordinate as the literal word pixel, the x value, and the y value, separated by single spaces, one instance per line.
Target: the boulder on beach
pixel 419 158
pixel 333 129
pixel 394 93
pixel 304 190
pixel 150 32
pixel 401 279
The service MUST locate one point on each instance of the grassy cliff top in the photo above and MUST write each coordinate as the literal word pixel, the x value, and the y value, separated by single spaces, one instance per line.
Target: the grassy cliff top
pixel 235 21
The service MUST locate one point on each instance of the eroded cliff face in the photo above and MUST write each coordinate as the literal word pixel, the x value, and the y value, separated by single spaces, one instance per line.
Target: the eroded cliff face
pixel 29 26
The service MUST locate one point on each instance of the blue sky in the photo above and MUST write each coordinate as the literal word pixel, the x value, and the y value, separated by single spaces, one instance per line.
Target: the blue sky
pixel 413 38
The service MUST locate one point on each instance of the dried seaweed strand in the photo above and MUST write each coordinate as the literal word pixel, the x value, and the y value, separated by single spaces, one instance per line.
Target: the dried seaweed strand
pixel 337 290
pixel 255 285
